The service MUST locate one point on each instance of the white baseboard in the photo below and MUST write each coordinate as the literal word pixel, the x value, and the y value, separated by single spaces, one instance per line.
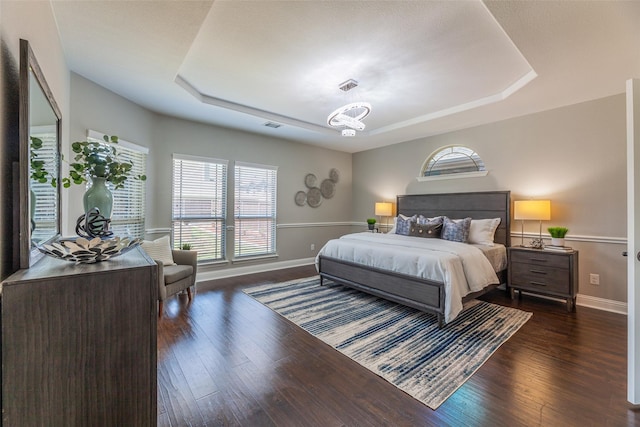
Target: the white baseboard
pixel 602 304
pixel 206 276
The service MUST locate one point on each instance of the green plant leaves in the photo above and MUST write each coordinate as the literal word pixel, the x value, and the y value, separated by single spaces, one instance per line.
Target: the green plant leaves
pixel 97 159
pixel 558 232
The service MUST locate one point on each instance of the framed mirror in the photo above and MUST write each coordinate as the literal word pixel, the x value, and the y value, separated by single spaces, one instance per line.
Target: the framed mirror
pixel 40 134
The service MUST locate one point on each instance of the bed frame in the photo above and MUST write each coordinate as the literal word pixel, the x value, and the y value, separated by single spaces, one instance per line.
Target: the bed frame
pixel 422 294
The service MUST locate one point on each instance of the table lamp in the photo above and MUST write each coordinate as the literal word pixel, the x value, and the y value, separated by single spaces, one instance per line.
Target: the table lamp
pixel 532 210
pixel 384 209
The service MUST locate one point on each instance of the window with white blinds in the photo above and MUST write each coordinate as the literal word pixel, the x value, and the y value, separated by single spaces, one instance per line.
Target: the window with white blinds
pixel 199 207
pixel 44 198
pixel 255 210
pixel 128 213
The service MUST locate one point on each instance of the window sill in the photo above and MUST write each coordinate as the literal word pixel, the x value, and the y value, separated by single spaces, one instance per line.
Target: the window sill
pixel 253 258
pixel 213 263
pixel 452 176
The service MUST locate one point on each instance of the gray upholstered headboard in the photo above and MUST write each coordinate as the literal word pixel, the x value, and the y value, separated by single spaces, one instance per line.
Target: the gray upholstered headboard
pixel 479 205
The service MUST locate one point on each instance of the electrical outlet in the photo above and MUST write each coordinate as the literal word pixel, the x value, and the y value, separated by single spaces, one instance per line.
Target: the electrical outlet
pixel 594 279
pixel 313 246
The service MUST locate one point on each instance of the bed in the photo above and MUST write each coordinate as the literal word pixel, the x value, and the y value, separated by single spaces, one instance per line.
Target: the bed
pixel 405 288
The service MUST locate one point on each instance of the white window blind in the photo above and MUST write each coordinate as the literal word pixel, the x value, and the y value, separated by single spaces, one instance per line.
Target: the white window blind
pixel 199 207
pixel 45 196
pixel 255 210
pixel 128 214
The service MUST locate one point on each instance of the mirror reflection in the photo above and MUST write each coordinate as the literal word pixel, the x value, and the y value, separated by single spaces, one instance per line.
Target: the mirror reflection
pixel 43 155
pixel 39 166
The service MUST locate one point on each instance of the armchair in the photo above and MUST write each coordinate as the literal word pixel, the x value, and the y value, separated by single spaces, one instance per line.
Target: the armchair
pixel 175 278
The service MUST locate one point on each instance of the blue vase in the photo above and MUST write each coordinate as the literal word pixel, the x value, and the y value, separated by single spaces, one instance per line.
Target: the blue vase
pixel 98 196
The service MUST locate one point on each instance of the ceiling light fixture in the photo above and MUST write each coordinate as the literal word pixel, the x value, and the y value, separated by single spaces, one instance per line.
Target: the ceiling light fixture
pixel 349 116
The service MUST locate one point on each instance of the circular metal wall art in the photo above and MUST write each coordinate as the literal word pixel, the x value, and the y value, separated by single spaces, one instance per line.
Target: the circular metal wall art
pixel 334 175
pixel 328 188
pixel 301 198
pixel 310 180
pixel 314 197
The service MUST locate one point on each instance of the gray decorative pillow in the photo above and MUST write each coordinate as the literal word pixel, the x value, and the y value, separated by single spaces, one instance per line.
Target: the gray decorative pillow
pixel 403 224
pixel 456 230
pixel 430 230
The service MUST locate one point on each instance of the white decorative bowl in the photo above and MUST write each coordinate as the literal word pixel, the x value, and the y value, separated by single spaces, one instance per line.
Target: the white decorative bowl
pixel 86 251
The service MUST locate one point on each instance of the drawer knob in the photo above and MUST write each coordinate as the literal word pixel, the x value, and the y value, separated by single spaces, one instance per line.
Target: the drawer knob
pixel 538 259
pixel 538 271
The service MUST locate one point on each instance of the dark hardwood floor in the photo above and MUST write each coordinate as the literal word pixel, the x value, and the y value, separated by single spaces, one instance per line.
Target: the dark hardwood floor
pixel 224 359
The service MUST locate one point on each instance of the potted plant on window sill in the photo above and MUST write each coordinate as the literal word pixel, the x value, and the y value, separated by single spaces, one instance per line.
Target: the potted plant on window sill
pixel 557 235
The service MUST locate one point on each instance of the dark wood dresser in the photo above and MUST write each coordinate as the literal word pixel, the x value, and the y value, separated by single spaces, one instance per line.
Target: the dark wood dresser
pixel 79 343
pixel 544 272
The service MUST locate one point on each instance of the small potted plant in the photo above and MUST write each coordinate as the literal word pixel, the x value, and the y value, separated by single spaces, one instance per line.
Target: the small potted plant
pixel 186 246
pixel 557 235
pixel 372 223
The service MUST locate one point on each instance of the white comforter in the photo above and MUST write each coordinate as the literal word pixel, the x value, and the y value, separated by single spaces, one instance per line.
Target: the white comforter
pixel 462 268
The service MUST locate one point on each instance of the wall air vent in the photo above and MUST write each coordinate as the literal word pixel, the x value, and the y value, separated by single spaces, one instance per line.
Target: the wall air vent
pixel 348 85
pixel 272 125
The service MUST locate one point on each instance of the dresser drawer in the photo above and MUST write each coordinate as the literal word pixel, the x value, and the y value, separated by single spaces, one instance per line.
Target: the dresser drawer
pixel 548 279
pixel 540 258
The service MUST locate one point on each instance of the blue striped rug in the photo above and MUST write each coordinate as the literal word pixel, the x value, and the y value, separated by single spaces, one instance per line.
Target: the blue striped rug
pixel 402 345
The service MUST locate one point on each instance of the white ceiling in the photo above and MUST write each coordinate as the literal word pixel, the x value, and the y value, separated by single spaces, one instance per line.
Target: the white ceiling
pixel 427 67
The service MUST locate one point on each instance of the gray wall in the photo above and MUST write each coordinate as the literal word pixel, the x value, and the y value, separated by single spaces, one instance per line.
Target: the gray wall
pixel 94 107
pixel 32 21
pixel 299 227
pixel 574 156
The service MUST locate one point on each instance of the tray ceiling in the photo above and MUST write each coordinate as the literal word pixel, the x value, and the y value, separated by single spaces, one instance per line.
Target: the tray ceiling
pixel 427 67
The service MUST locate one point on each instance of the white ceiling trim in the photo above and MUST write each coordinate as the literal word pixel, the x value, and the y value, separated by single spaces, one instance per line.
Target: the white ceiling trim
pixel 500 96
pixel 211 100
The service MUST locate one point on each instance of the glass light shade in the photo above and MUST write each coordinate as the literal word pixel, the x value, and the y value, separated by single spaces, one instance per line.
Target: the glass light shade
pixel 383 209
pixel 539 210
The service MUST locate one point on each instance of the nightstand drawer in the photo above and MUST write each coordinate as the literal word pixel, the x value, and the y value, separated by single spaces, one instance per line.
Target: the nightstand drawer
pixel 540 258
pixel 531 276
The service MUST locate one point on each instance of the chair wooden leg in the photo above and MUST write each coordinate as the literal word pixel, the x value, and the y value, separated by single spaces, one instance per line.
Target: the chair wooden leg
pixel 160 308
pixel 189 293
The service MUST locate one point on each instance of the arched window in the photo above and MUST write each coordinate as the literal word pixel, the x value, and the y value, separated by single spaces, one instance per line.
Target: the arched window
pixel 453 159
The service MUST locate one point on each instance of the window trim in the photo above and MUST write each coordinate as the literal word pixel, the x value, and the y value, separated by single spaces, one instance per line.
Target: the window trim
pixel 456 175
pixel 224 218
pixel 274 253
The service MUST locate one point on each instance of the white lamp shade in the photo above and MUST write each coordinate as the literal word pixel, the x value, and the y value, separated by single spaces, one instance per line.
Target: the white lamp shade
pixel 539 210
pixel 384 209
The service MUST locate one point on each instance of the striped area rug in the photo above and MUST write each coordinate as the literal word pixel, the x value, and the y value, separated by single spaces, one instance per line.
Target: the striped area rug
pixel 402 345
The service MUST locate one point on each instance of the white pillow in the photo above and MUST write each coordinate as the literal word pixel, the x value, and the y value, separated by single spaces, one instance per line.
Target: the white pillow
pixel 482 231
pixel 159 250
pixel 393 229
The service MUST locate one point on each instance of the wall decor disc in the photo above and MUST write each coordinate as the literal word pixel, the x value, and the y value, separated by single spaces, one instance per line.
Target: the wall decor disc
pixel 314 197
pixel 334 175
pixel 310 180
pixel 328 188
pixel 301 198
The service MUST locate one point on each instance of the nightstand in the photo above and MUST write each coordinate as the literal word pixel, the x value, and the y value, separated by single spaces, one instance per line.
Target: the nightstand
pixel 544 272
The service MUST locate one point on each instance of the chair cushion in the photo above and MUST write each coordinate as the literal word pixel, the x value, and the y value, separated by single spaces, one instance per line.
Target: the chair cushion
pixel 173 273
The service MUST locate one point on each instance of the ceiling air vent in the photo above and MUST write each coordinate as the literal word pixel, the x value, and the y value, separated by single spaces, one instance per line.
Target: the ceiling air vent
pixel 273 125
